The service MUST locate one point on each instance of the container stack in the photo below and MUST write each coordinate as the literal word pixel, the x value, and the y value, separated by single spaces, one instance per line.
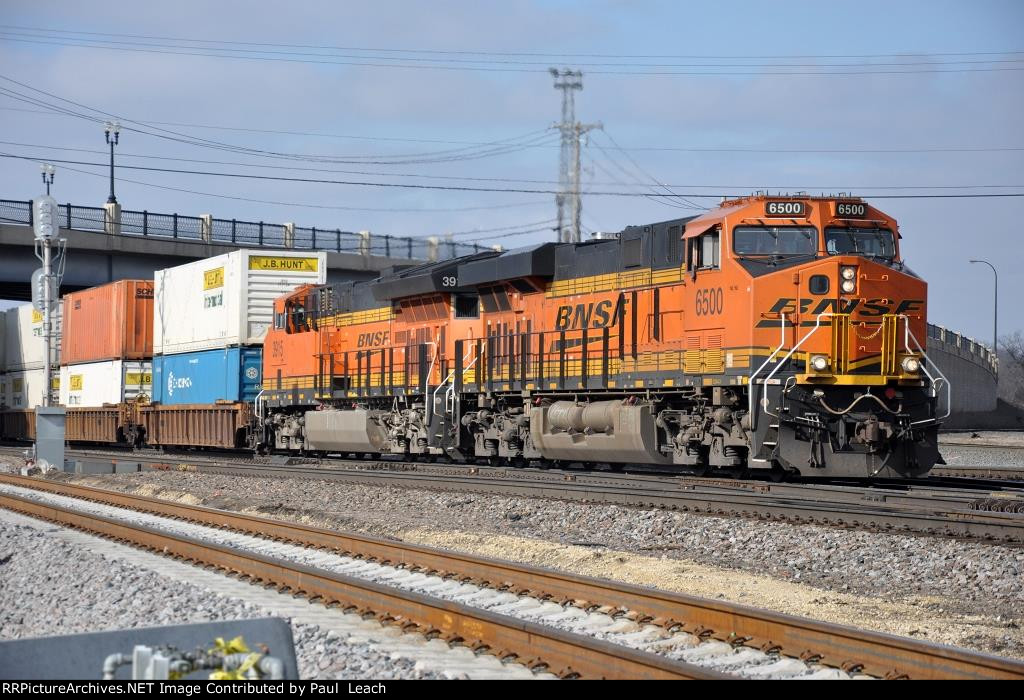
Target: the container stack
pixel 23 384
pixel 210 318
pixel 107 346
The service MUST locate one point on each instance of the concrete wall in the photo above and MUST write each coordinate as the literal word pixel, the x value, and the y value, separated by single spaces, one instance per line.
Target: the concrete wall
pixel 971 369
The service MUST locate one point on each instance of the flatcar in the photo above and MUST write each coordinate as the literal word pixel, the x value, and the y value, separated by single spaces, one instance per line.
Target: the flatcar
pixel 773 334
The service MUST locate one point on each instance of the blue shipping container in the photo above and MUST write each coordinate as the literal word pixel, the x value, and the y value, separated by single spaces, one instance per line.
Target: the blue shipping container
pixel 231 374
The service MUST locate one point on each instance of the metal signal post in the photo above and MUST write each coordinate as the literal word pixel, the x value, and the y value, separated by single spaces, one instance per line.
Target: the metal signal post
pixel 45 292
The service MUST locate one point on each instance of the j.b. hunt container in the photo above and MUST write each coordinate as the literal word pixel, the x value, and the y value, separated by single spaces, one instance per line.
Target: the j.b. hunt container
pixel 103 383
pixel 226 300
pixel 110 322
pixel 23 338
pixel 208 377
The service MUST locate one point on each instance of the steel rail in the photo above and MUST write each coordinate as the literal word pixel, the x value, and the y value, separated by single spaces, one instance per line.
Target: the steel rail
pixel 538 646
pixel 878 510
pixel 918 509
pixel 993 473
pixel 843 647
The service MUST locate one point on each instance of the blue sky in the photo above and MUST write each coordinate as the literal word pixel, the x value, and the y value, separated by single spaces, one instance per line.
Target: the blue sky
pixel 374 116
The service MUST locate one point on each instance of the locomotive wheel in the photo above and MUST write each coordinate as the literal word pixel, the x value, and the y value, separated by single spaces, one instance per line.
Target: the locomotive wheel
pixel 738 472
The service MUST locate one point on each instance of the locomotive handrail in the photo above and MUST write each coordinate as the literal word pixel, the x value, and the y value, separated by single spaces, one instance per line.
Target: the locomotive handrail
pixel 427 408
pixel 433 397
pixel 750 383
pixel 257 405
pixel 817 325
pixel 909 335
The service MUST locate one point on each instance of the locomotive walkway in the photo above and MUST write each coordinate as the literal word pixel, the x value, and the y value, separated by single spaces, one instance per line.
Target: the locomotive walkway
pixel 715 624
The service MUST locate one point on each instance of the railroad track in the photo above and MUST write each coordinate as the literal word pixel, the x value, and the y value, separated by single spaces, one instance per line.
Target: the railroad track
pixel 970 509
pixel 849 649
pixel 988 473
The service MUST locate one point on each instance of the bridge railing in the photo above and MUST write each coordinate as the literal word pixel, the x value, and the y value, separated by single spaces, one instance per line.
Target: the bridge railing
pixel 241 233
pixel 966 346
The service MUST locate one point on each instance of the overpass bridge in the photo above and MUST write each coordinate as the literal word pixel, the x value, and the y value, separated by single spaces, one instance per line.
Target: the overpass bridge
pixel 108 243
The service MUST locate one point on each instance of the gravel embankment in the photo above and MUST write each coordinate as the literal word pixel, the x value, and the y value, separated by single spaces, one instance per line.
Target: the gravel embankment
pixel 44 574
pixel 991 449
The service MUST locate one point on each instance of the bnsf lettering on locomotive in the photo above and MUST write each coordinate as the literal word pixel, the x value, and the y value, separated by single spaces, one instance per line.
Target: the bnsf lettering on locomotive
pixel 590 315
pixel 372 340
pixel 869 308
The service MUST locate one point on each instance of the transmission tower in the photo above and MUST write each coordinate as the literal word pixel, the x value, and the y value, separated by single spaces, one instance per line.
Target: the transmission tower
pixel 568 81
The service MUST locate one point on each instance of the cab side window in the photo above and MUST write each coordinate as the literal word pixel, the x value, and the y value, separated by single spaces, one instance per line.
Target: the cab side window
pixel 704 251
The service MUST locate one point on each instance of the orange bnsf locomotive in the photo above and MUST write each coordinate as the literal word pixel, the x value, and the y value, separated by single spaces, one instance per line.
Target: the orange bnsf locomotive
pixel 771 333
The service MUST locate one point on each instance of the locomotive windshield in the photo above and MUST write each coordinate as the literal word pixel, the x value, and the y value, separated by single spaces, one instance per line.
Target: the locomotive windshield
pixel 775 240
pixel 871 242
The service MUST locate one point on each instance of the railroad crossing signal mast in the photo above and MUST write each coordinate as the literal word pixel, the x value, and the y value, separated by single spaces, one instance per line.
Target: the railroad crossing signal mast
pixel 45 295
pixel 568 81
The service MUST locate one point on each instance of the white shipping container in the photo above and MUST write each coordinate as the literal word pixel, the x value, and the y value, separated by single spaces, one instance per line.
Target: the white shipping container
pixel 94 384
pixel 24 389
pixel 23 338
pixel 226 300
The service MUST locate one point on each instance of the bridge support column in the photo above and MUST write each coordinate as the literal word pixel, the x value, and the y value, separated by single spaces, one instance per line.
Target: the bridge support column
pixel 432 245
pixel 112 218
pixel 206 227
pixel 364 243
pixel 289 235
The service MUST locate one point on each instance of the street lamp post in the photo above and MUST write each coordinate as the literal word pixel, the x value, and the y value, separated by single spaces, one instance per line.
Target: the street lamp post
pixel 48 171
pixel 995 306
pixel 112 132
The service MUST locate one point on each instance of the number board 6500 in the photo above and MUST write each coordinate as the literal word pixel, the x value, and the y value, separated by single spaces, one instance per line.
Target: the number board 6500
pixel 710 301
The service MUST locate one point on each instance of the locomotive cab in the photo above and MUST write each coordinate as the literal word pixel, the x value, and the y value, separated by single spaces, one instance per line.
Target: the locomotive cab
pixel 838 380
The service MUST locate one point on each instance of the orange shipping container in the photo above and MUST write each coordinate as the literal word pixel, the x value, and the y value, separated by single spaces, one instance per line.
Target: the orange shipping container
pixel 111 322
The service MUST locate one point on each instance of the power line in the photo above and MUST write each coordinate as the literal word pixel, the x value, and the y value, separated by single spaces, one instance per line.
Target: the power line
pixel 682 149
pixel 504 69
pixel 500 147
pixel 103 43
pixel 508 53
pixel 509 235
pixel 306 205
pixel 455 188
pixel 316 206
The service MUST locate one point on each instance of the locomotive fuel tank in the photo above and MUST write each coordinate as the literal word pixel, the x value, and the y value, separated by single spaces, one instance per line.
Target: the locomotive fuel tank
pixel 354 430
pixel 602 431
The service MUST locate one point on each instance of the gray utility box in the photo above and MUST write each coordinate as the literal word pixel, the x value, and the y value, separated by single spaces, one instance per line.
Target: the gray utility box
pixel 50 436
pixel 81 656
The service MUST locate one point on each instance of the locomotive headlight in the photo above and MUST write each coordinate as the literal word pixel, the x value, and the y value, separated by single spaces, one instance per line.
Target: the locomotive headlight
pixel 848 286
pixel 848 273
pixel 911 365
pixel 819 363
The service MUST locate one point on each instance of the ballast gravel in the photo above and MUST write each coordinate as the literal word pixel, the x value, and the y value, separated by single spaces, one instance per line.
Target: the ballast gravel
pixel 48 587
pixel 618 630
pixel 962 593
pixel 981 576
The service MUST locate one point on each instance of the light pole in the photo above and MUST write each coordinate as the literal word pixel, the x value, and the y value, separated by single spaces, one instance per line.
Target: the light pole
pixel 995 306
pixel 115 129
pixel 48 171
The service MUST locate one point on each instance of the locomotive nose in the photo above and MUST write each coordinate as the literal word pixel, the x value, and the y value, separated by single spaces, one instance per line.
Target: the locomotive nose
pixel 870 327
